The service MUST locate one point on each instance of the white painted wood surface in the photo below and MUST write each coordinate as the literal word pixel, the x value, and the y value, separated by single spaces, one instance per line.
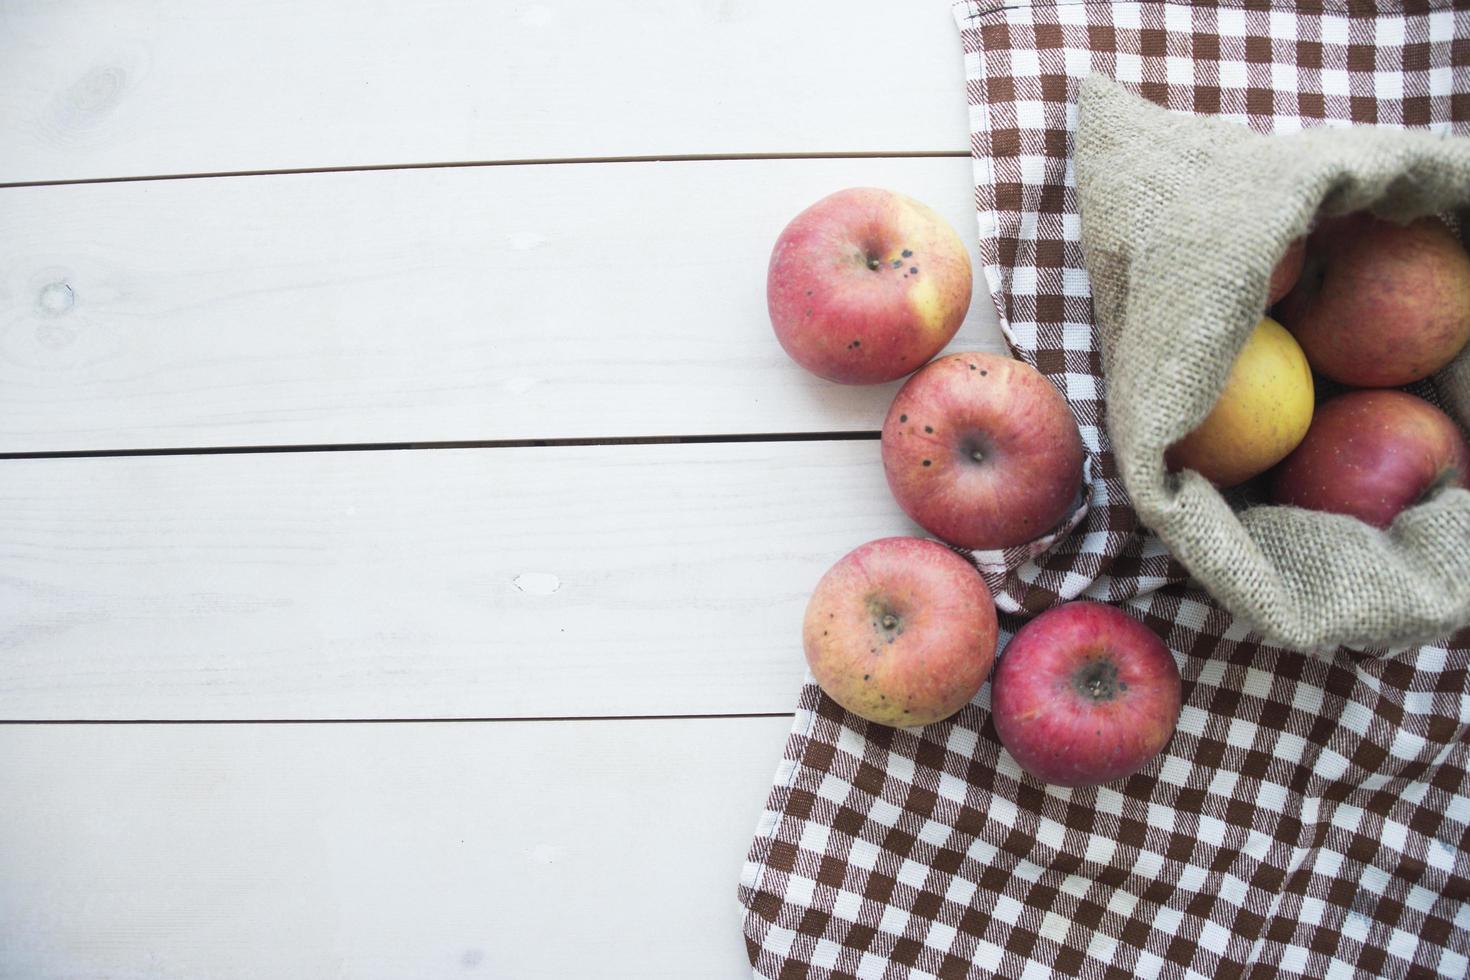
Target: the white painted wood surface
pixel 458 304
pixel 552 581
pixel 102 89
pixel 395 852
pixel 534 301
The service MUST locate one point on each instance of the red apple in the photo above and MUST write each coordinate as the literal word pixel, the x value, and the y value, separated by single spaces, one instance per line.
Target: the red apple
pixel 1380 304
pixel 901 631
pixel 1287 271
pixel 982 451
pixel 1371 454
pixel 866 285
pixel 1085 694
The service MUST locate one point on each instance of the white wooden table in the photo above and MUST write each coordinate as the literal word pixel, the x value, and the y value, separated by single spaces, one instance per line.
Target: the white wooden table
pixel 357 617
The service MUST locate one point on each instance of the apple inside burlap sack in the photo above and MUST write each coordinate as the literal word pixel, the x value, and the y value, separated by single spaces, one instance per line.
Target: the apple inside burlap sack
pixel 1183 219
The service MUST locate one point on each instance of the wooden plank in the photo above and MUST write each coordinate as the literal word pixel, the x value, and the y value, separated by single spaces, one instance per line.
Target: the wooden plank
pixel 456 304
pixel 587 849
pixel 527 582
pixel 91 89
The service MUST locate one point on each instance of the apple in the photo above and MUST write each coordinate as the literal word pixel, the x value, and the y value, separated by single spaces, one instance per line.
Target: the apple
pixel 1380 304
pixel 1262 412
pixel 866 285
pixel 1085 694
pixel 901 631
pixel 1287 271
pixel 982 451
pixel 1370 454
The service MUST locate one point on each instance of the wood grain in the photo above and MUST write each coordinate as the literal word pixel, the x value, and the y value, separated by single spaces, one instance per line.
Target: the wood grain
pixel 476 303
pixel 606 580
pixel 459 304
pixel 396 852
pixel 94 89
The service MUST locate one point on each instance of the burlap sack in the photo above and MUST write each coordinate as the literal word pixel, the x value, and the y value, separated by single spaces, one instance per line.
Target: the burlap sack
pixel 1183 219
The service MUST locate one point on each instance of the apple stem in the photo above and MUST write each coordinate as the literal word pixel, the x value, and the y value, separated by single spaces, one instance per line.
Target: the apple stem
pixel 977 455
pixel 873 263
pixel 889 621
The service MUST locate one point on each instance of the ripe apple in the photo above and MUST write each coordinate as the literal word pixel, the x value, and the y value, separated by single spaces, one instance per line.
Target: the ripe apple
pixel 1371 454
pixel 901 631
pixel 982 451
pixel 1287 271
pixel 1085 694
pixel 1261 414
pixel 1380 304
pixel 866 285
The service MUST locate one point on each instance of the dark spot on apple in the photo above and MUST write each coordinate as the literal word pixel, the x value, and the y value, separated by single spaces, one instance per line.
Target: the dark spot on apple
pixel 903 418
pixel 972 367
pixel 865 676
pixel 929 428
pixel 808 292
pixel 808 312
pixel 1122 685
pixel 897 263
pixel 927 462
pixel 907 252
pixel 913 270
pixel 984 373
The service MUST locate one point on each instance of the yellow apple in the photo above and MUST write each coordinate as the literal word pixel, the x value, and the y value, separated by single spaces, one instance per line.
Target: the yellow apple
pixel 1262 413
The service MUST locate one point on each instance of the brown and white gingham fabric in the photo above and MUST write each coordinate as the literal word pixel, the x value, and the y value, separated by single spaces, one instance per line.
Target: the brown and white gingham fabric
pixel 1311 816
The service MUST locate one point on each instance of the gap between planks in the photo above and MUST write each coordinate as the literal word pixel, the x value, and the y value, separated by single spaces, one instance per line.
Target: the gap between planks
pixel 526 162
pixel 362 447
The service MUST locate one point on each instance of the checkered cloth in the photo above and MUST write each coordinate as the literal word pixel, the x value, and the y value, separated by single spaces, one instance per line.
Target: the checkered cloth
pixel 1311 816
